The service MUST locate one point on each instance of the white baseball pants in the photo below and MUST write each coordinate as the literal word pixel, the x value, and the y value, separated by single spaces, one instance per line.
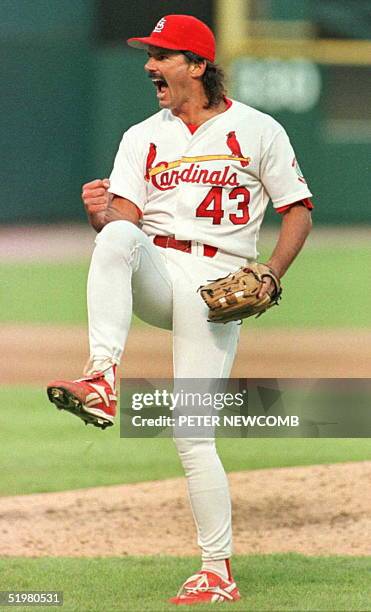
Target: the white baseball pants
pixel 129 273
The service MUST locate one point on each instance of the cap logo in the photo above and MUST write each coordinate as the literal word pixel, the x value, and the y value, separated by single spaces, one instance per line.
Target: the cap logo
pixel 160 25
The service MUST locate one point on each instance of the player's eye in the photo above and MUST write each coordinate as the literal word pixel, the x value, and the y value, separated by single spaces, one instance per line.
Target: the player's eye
pixel 157 56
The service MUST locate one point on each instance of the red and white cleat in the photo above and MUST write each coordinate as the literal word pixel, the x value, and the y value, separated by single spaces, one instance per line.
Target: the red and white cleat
pixel 206 587
pixel 91 398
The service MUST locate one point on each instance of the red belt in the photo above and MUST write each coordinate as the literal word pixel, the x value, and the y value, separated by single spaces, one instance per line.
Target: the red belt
pixel 169 242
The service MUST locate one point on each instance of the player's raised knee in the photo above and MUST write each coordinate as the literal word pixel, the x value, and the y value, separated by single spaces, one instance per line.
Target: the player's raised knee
pixel 121 230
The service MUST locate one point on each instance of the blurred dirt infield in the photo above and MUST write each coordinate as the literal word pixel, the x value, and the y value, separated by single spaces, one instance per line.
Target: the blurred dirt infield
pixel 76 241
pixel 36 354
pixel 315 510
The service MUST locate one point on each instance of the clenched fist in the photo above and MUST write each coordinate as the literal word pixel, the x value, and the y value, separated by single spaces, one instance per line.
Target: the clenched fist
pixel 95 196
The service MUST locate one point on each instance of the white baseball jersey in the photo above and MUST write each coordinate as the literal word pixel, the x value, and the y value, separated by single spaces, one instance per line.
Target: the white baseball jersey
pixel 212 186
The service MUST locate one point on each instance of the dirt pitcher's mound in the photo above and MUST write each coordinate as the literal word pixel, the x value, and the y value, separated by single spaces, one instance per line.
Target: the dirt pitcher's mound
pixel 316 510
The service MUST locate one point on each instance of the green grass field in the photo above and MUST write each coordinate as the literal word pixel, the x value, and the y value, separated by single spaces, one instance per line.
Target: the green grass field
pixel 53 444
pixel 267 582
pixel 313 290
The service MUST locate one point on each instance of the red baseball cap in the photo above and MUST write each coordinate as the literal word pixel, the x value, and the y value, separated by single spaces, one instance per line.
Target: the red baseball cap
pixel 180 33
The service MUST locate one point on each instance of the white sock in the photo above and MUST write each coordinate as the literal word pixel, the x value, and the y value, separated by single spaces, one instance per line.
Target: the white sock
pixel 218 566
pixel 102 365
pixel 109 375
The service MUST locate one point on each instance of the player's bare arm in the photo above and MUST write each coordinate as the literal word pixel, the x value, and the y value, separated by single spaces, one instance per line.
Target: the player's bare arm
pixel 103 207
pixel 295 227
pixel 121 209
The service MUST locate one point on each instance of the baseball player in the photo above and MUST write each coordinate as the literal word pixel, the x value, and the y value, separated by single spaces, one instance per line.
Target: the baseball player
pixel 184 204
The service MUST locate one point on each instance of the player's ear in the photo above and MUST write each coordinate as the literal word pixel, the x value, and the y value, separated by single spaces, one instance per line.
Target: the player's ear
pixel 197 69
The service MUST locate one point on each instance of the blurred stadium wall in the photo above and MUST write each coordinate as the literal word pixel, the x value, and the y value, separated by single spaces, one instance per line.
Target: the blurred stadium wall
pixel 70 87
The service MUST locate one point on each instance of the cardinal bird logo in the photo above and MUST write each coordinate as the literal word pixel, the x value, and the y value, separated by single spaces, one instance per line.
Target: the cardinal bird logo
pixel 150 159
pixel 235 148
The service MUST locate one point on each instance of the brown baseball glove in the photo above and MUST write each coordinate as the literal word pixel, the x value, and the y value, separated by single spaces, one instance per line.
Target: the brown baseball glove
pixel 235 297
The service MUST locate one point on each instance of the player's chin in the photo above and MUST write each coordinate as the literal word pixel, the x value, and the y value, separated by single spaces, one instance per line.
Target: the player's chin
pixel 164 100
pixel 164 103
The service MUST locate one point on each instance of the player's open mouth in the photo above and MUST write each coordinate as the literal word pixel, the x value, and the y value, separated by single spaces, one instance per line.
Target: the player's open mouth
pixel 160 85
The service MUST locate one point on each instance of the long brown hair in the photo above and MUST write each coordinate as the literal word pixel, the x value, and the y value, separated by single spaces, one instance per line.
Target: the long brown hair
pixel 212 79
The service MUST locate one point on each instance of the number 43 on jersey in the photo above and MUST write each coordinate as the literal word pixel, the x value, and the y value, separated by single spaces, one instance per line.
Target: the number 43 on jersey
pixel 212 206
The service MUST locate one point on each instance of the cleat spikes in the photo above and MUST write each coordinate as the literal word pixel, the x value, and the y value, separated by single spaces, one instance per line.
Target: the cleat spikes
pixel 91 399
